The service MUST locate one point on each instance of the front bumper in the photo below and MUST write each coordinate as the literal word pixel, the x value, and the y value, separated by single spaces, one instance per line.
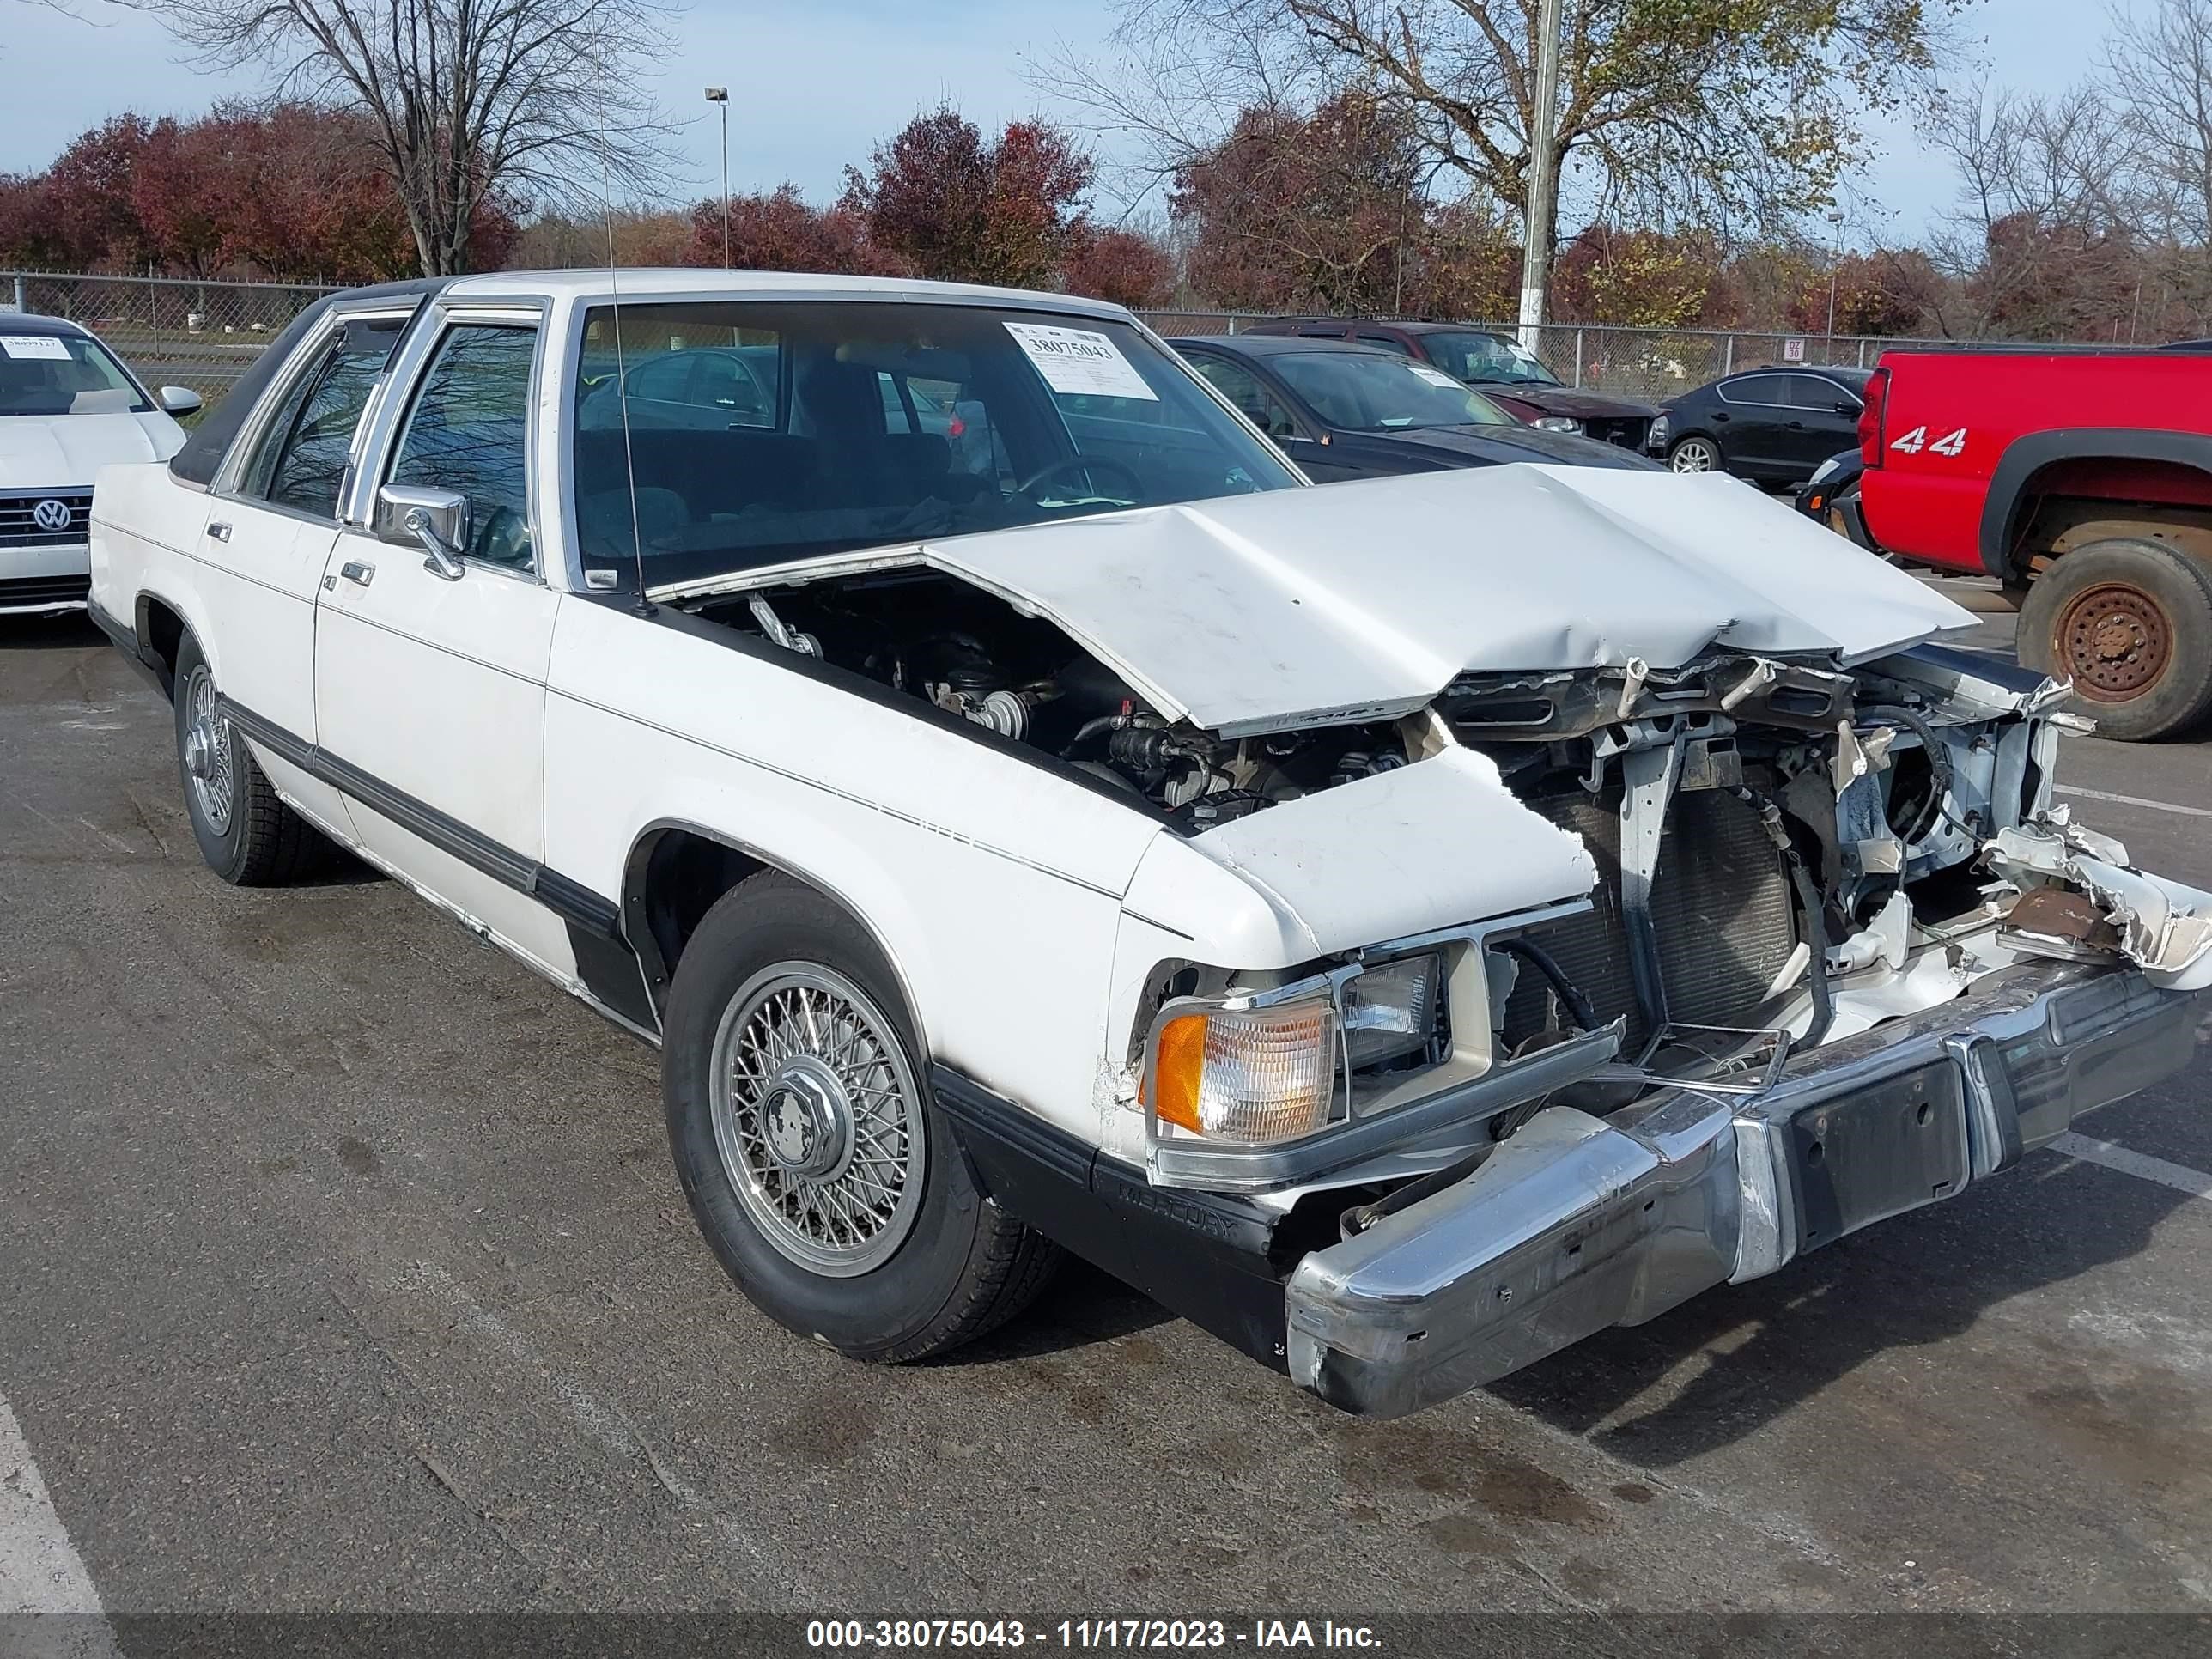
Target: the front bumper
pixel 1576 1223
pixel 45 580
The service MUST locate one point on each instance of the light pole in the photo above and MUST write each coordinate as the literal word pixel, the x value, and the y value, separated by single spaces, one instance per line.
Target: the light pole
pixel 721 95
pixel 1543 164
pixel 1834 262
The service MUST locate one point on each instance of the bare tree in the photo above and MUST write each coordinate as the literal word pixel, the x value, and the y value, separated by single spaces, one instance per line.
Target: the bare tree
pixel 1721 111
pixel 2158 68
pixel 527 100
pixel 2042 239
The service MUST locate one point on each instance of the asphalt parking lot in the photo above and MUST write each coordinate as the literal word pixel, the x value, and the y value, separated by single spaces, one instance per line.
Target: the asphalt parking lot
pixel 342 1267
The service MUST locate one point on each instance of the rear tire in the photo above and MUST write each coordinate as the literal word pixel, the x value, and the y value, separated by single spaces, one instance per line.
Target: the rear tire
pixel 1695 454
pixel 826 1179
pixel 2130 623
pixel 246 833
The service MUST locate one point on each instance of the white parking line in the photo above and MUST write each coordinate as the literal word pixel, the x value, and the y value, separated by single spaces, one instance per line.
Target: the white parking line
pixel 40 1571
pixel 2134 800
pixel 2179 1176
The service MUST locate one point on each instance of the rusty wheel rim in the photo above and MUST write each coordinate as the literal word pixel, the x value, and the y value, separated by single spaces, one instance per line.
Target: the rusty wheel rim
pixel 2114 641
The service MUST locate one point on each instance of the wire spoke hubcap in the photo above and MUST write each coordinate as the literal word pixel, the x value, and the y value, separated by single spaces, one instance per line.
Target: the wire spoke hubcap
pixel 207 753
pixel 818 1119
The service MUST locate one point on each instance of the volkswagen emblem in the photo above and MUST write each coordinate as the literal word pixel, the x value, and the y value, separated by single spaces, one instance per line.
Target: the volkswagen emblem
pixel 53 513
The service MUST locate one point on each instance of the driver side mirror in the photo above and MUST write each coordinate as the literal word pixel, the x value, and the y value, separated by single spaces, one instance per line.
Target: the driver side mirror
pixel 435 520
pixel 180 400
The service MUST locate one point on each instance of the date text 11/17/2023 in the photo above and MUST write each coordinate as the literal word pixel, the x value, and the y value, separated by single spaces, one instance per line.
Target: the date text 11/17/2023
pixel 1090 1633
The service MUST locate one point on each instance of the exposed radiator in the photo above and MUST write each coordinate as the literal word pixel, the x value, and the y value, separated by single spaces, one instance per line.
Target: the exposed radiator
pixel 1720 902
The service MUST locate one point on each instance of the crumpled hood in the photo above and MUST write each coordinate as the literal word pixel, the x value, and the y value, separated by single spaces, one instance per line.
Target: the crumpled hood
pixel 1359 601
pixel 65 452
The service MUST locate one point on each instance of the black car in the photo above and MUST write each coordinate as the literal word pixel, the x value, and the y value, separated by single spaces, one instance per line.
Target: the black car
pixel 1348 411
pixel 1771 425
pixel 1499 366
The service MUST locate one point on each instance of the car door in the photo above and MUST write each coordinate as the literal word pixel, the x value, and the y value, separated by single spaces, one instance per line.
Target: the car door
pixel 1267 410
pixel 1754 410
pixel 431 687
pixel 270 525
pixel 1827 420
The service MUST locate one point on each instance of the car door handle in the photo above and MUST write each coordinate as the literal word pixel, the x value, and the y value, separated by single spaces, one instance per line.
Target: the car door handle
pixel 220 531
pixel 357 573
pixel 1720 415
pixel 1797 426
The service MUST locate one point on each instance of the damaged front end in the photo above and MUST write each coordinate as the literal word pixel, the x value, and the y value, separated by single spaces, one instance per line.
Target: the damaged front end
pixel 1842 957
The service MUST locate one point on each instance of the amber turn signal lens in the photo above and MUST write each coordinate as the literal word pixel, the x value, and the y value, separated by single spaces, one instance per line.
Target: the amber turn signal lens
pixel 1177 1069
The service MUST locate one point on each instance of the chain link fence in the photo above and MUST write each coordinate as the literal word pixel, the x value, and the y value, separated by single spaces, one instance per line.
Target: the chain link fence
pixel 180 331
pixel 1653 364
pixel 172 331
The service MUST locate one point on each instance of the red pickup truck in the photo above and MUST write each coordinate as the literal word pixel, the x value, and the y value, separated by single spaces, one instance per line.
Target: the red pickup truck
pixel 2082 481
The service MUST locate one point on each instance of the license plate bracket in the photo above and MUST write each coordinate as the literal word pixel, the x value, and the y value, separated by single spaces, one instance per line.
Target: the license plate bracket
pixel 1891 1146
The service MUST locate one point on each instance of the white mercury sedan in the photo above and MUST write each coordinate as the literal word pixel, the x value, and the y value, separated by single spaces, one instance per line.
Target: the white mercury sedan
pixel 68 407
pixel 1405 926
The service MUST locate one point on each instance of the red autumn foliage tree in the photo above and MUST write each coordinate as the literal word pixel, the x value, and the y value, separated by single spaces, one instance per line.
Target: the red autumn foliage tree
pixel 1120 265
pixel 955 206
pixel 1881 294
pixel 781 231
pixel 1642 279
pixel 293 192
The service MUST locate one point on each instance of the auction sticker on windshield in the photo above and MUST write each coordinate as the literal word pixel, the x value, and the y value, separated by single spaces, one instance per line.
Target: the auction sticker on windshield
pixel 34 345
pixel 1079 363
pixel 1434 376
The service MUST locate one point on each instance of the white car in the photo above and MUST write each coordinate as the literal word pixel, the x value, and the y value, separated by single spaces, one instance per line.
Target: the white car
pixel 1405 926
pixel 68 407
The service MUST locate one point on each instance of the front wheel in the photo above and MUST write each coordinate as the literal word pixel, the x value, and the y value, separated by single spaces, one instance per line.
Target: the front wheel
pixel 1695 455
pixel 2130 623
pixel 815 1161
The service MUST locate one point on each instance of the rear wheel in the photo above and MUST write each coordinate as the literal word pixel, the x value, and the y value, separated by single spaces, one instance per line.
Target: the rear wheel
pixel 1695 455
pixel 246 833
pixel 2130 623
pixel 816 1163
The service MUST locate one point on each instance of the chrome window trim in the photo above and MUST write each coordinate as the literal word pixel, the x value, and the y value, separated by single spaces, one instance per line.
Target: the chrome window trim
pixel 1459 1099
pixel 395 396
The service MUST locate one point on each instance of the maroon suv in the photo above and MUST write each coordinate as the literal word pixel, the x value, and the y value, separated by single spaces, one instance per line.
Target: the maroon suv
pixel 1509 374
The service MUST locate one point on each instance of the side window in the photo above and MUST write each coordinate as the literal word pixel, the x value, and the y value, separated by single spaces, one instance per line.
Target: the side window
pixel 1387 342
pixel 1811 391
pixel 723 381
pixel 664 379
pixel 468 431
pixel 1242 388
pixel 1767 389
pixel 303 459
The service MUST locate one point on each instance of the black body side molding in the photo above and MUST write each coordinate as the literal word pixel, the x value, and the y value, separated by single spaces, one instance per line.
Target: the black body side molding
pixel 1207 1256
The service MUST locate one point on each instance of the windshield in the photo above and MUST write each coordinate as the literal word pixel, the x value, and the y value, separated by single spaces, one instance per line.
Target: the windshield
pixel 1361 392
pixel 63 374
pixel 1486 358
pixel 760 432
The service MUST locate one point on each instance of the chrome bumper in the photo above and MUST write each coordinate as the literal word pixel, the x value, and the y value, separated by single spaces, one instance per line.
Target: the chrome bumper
pixel 1578 1223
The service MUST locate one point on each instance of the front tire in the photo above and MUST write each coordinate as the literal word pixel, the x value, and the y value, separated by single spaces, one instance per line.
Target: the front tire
pixel 2130 623
pixel 246 833
pixel 826 1181
pixel 1694 454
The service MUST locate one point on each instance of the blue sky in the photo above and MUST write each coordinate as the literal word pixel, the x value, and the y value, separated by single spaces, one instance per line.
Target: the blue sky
pixel 814 85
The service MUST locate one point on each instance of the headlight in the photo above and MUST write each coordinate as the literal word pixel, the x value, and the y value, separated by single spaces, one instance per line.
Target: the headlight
pixel 1656 438
pixel 1390 1011
pixel 1827 469
pixel 1557 423
pixel 1255 1075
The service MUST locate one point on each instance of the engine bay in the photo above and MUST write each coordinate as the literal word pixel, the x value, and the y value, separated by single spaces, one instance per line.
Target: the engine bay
pixel 969 656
